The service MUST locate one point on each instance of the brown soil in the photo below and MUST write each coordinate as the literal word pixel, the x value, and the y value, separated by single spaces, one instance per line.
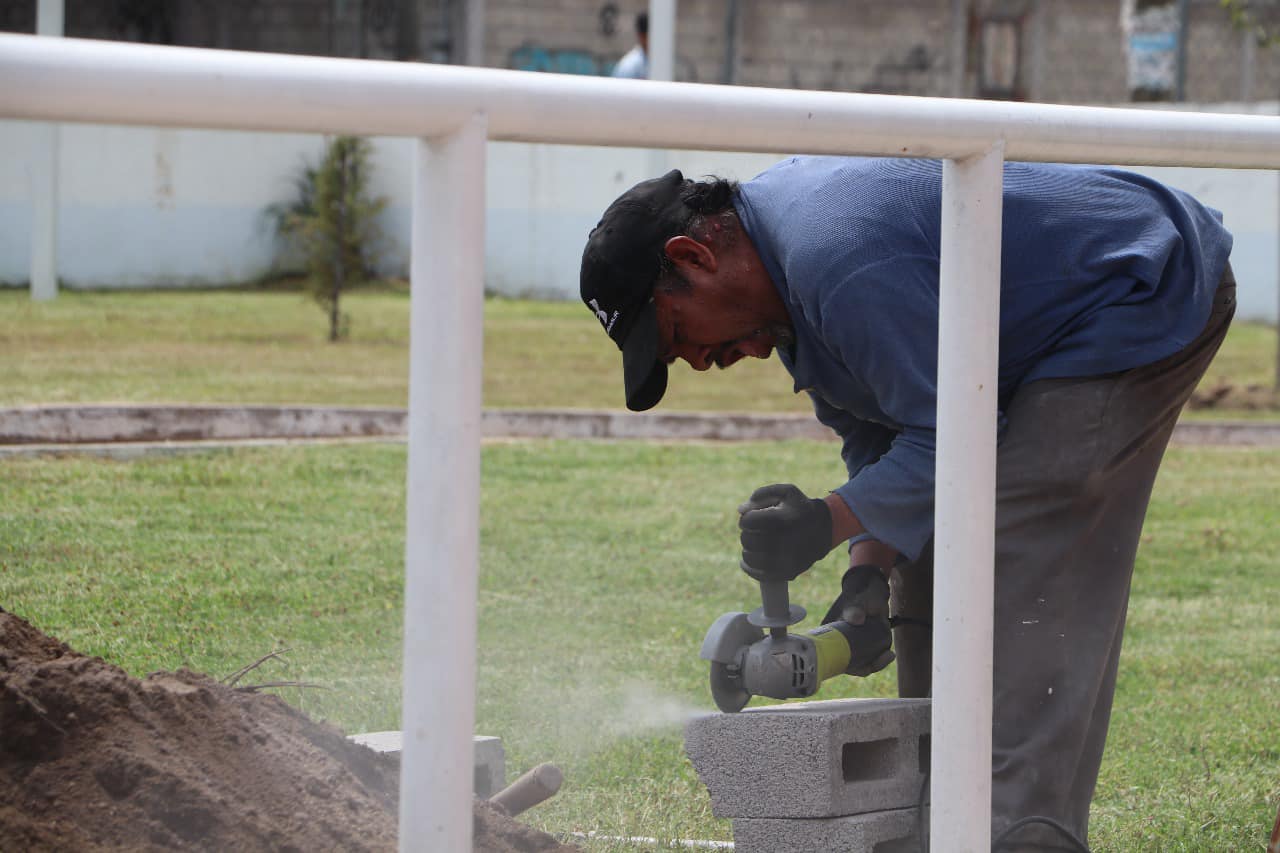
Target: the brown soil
pixel 94 759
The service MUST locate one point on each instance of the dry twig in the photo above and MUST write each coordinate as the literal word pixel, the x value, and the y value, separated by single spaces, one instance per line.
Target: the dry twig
pixel 240 673
pixel 254 688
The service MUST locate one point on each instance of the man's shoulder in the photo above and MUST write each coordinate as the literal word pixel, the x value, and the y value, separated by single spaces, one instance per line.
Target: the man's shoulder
pixel 816 182
pixel 812 167
pixel 821 209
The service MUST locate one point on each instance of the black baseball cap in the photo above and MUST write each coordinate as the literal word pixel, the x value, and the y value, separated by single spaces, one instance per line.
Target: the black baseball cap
pixel 619 267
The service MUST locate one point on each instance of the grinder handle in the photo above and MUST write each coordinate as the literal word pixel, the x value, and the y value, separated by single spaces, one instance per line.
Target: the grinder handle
pixel 776 610
pixel 775 600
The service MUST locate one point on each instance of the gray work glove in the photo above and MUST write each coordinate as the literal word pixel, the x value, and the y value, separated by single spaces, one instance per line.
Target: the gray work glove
pixel 864 602
pixel 864 594
pixel 784 532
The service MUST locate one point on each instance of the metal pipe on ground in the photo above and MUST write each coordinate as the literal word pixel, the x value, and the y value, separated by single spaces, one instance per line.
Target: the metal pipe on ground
pixel 535 786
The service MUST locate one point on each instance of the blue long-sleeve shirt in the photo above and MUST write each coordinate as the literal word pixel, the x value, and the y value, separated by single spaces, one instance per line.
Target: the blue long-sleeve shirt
pixel 1101 271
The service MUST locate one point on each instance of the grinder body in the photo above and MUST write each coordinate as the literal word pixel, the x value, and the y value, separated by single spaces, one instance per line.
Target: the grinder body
pixel 746 662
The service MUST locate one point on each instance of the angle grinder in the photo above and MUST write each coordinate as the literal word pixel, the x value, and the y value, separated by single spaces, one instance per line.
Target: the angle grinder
pixel 745 662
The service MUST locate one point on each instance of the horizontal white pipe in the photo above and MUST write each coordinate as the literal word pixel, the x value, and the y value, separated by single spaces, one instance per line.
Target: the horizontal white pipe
pixel 117 83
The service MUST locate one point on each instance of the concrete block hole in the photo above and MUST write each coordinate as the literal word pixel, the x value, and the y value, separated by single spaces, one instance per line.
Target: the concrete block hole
pixel 868 760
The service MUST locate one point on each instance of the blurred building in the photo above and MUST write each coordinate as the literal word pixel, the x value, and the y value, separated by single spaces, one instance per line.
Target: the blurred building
pixel 377 29
pixel 1057 51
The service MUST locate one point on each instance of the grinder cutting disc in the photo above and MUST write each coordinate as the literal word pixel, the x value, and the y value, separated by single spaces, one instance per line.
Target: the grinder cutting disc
pixel 726 688
pixel 726 642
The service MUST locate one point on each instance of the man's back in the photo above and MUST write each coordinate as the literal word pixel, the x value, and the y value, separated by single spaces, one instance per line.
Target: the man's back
pixel 1102 270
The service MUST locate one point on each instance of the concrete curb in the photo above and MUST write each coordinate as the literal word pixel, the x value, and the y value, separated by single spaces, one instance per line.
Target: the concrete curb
pixel 123 451
pixel 65 428
pixel 104 424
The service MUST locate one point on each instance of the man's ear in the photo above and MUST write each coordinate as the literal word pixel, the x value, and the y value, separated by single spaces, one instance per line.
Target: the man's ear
pixel 688 253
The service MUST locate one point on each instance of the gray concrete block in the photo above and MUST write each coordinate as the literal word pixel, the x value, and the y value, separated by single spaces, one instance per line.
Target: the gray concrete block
pixel 812 759
pixel 490 758
pixel 491 766
pixel 391 742
pixel 878 832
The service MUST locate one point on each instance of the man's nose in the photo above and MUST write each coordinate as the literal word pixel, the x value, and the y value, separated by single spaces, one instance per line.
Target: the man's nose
pixel 698 357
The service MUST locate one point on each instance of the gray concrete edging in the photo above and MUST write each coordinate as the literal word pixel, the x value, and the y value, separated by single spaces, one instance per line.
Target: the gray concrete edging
pixel 63 425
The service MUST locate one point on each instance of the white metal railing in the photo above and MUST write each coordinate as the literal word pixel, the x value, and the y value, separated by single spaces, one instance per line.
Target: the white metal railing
pixel 44 179
pixel 452 111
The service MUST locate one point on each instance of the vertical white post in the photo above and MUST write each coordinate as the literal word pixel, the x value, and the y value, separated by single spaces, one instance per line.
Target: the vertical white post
pixel 964 525
pixel 473 33
pixel 662 63
pixel 44 179
pixel 50 17
pixel 662 39
pixel 1039 46
pixel 959 46
pixel 1248 58
pixel 443 498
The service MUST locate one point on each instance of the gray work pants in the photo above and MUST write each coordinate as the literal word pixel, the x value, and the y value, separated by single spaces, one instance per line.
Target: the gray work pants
pixel 1074 475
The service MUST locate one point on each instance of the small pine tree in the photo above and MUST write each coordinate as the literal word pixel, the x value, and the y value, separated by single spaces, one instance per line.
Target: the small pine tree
pixel 335 221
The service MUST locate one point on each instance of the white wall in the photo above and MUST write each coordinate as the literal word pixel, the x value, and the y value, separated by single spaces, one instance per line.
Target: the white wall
pixel 145 207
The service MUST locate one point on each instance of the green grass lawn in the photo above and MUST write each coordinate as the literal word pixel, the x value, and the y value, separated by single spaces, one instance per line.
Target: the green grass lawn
pixel 602 564
pixel 269 347
pixel 250 346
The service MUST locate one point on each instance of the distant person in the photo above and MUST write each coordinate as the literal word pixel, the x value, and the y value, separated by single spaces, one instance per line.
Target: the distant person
pixel 634 64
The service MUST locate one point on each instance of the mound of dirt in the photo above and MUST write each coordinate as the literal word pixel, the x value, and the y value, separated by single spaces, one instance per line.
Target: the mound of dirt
pixel 94 759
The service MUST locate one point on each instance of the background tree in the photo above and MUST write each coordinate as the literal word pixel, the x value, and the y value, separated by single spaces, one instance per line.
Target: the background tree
pixel 334 220
pixel 1245 18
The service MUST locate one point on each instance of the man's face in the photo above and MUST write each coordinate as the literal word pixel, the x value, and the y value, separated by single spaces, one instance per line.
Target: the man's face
pixel 711 322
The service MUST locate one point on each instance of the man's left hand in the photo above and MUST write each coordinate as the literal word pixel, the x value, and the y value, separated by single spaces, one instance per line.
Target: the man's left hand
pixel 784 532
pixel 864 602
pixel 864 594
